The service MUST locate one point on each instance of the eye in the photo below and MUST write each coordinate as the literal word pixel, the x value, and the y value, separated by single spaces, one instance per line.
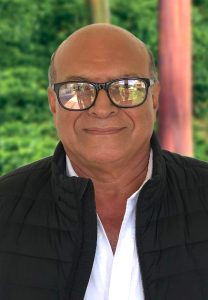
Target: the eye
pixel 128 92
pixel 77 95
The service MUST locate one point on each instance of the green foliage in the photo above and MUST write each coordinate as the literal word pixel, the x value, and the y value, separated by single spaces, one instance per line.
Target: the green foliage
pixel 25 142
pixel 29 34
pixel 200 58
pixel 30 31
pixel 23 95
pixel 200 78
pixel 200 125
pixel 140 18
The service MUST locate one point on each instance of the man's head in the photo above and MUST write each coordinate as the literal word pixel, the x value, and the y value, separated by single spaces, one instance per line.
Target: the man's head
pixel 104 133
pixel 153 72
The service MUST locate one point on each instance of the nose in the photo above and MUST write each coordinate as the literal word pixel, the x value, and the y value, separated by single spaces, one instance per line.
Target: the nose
pixel 103 107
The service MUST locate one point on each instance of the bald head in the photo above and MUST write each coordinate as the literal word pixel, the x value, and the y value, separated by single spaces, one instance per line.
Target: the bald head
pixel 101 40
pixel 103 132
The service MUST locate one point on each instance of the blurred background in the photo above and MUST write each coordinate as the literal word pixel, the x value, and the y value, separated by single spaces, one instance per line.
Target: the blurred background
pixel 30 31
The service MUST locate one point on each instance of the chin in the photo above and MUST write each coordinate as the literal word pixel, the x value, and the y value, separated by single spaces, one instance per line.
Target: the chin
pixel 104 158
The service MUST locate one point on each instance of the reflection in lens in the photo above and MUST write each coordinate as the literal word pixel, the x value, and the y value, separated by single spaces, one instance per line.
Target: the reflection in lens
pixel 77 95
pixel 128 92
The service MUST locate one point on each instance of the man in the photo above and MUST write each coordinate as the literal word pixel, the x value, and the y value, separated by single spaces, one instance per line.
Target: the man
pixel 110 215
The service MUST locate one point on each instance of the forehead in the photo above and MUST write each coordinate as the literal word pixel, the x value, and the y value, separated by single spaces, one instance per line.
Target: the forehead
pixel 101 56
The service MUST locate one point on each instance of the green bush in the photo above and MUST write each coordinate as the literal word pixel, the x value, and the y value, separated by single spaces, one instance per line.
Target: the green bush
pixel 25 142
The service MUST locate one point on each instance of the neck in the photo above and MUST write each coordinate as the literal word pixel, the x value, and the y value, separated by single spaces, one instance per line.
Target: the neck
pixel 113 183
pixel 113 186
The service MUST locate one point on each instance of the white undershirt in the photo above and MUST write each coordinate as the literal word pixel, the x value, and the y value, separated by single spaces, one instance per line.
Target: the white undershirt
pixel 116 276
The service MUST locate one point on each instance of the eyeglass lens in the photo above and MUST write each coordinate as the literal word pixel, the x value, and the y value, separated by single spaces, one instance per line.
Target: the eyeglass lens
pixel 129 92
pixel 81 95
pixel 77 95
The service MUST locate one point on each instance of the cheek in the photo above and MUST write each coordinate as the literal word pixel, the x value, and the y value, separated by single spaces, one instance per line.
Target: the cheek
pixel 64 122
pixel 150 112
pixel 149 115
pixel 143 119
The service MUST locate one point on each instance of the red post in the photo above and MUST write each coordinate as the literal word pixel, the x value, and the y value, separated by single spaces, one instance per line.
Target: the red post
pixel 175 113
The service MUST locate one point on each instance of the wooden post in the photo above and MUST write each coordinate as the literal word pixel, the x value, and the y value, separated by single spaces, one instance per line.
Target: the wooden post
pixel 99 11
pixel 175 113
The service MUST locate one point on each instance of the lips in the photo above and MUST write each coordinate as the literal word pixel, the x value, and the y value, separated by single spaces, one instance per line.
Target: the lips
pixel 103 131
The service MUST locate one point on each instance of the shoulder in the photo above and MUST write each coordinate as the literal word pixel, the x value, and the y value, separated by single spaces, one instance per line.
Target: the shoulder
pixel 183 161
pixel 186 168
pixel 17 180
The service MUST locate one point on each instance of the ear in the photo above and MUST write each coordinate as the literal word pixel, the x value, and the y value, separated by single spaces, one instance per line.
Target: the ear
pixel 155 96
pixel 52 100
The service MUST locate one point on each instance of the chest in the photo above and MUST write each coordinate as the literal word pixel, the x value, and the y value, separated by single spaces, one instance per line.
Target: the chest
pixel 118 225
pixel 115 275
pixel 112 227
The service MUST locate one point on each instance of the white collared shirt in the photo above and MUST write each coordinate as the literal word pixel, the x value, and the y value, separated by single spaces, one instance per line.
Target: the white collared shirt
pixel 116 276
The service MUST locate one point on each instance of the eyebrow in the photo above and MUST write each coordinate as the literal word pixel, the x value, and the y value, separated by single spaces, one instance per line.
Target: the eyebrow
pixel 84 78
pixel 77 78
pixel 133 75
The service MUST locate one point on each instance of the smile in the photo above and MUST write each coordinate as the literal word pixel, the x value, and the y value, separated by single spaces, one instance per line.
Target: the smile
pixel 103 131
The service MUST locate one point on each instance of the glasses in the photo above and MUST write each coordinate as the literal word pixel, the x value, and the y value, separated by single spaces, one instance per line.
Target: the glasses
pixel 122 92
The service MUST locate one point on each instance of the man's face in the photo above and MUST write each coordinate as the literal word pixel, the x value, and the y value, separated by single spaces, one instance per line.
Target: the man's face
pixel 104 133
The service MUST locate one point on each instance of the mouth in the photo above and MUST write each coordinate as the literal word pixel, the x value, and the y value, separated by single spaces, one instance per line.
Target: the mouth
pixel 103 131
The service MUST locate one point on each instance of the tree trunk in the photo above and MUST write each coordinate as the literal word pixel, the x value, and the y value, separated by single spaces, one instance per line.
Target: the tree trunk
pixel 99 11
pixel 175 114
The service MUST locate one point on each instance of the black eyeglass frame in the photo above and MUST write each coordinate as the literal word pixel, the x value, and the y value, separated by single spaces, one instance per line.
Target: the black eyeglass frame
pixel 103 86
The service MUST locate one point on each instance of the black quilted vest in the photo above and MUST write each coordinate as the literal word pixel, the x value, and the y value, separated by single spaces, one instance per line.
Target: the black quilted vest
pixel 48 230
